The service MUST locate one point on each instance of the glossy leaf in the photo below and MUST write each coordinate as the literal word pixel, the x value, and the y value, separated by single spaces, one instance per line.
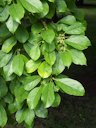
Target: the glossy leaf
pixel 31 82
pixel 79 42
pixel 69 20
pixel 57 100
pixel 50 58
pixel 66 58
pixel 58 67
pixel 48 35
pixel 34 97
pixel 44 70
pixel 12 25
pixel 78 57
pixel 17 12
pixel 8 44
pixel 3 115
pixel 76 29
pixel 33 6
pixel 41 112
pixel 70 86
pixel 18 65
pixel 20 93
pixel 4 58
pixel 32 66
pixel 48 96
pixel 61 6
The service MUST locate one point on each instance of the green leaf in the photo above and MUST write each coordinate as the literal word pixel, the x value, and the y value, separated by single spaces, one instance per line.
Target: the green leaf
pixel 20 116
pixel 33 6
pixel 51 12
pixel 45 9
pixel 61 6
pixel 45 70
pixel 40 111
pixel 79 42
pixel 21 34
pixel 48 96
pixel 13 107
pixel 8 44
pixel 8 71
pixel 50 58
pixel 76 29
pixel 70 86
pixel 57 100
pixel 4 14
pixel 16 11
pixel 35 52
pixel 20 93
pixel 29 117
pixel 32 50
pixel 68 20
pixel 8 98
pixel 18 64
pixel 31 82
pixel 4 31
pixel 66 58
pixel 26 115
pixel 4 58
pixel 58 67
pixel 36 28
pixel 48 47
pixel 32 66
pixel 3 116
pixel 12 25
pixel 48 35
pixel 78 57
pixel 61 27
pixel 34 97
pixel 3 88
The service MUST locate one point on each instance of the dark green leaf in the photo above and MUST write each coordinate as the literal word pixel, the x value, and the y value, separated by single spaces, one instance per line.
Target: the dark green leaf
pixel 57 100
pixel 3 88
pixel 21 34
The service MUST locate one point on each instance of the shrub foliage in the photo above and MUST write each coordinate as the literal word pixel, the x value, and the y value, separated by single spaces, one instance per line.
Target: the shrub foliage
pixel 39 39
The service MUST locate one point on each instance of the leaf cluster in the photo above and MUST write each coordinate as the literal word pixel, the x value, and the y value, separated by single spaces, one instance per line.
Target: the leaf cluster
pixel 39 39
